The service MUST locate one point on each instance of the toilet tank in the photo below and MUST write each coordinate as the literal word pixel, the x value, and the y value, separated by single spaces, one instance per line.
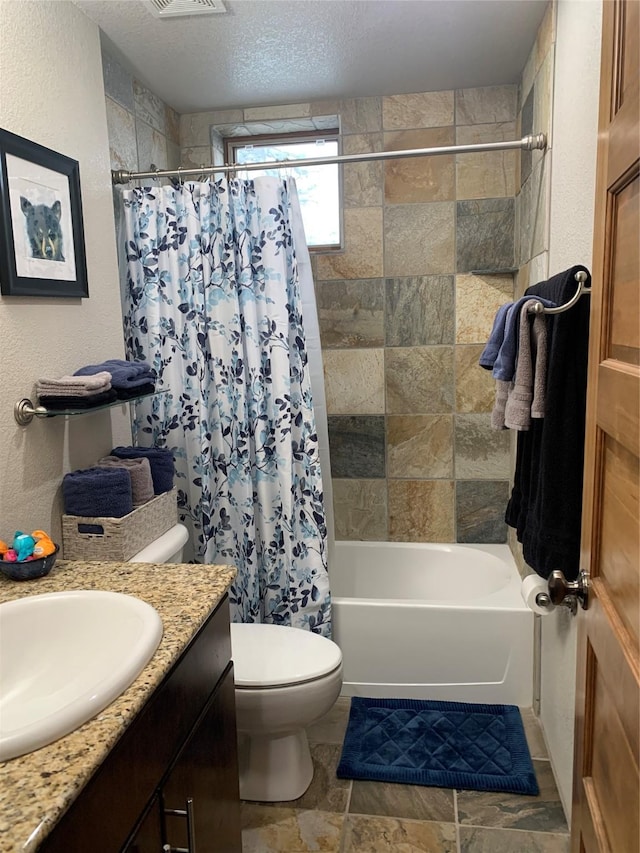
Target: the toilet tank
pixel 165 549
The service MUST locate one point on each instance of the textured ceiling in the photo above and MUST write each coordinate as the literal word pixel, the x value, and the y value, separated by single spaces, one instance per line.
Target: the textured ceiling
pixel 291 51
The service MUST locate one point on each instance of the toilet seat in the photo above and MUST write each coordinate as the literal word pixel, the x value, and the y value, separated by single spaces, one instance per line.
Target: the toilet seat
pixel 277 656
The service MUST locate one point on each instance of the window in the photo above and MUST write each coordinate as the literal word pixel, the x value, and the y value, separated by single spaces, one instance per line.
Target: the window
pixel 318 186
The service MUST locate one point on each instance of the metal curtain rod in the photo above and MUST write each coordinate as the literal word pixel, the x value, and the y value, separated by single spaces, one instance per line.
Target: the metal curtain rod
pixel 528 143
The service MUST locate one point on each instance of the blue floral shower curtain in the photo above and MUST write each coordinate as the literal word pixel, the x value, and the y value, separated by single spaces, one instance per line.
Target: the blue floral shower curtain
pixel 213 303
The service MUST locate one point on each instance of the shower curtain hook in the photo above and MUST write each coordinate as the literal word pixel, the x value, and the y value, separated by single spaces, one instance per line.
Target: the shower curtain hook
pixel 180 178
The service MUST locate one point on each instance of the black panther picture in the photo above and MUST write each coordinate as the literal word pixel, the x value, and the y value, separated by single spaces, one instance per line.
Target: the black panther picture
pixel 44 229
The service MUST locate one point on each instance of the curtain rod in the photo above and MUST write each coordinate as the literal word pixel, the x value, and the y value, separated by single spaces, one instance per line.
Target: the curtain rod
pixel 527 143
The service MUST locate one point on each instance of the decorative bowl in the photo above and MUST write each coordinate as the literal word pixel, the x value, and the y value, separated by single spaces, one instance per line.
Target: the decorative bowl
pixel 29 569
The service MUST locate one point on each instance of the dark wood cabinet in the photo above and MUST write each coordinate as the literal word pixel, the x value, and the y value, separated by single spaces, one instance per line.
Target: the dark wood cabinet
pixel 181 747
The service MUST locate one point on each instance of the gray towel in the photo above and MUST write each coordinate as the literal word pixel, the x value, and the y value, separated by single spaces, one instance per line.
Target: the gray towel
pixel 74 386
pixel 140 472
pixel 502 393
pixel 532 343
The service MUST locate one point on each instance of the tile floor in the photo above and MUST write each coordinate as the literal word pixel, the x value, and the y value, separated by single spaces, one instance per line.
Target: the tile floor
pixel 344 816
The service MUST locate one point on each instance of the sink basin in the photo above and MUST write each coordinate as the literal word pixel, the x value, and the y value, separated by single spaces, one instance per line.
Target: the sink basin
pixel 64 656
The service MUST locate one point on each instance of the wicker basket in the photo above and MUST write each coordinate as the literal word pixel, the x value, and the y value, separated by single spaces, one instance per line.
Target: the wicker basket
pixel 86 538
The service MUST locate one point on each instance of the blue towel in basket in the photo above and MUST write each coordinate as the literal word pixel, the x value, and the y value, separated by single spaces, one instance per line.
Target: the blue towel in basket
pixel 160 460
pixel 102 492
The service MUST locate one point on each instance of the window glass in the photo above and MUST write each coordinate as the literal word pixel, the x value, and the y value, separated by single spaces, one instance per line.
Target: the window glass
pixel 318 186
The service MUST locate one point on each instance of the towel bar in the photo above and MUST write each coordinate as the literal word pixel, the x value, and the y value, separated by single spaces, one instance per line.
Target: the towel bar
pixel 581 277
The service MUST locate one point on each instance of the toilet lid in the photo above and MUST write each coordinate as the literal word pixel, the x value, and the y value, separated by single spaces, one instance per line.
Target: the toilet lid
pixel 275 656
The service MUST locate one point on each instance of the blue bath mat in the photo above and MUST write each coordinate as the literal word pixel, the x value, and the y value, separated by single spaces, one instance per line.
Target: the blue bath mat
pixel 441 744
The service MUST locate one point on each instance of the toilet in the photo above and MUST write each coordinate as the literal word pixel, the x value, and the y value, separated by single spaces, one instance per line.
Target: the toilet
pixel 285 680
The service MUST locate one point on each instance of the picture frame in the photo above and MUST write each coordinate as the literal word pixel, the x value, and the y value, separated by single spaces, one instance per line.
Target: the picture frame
pixel 42 249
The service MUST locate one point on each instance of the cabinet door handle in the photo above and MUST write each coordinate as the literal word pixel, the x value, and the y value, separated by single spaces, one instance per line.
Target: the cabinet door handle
pixel 191 830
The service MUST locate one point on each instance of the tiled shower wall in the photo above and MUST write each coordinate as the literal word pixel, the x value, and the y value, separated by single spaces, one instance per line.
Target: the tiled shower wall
pixel 143 130
pixel 403 320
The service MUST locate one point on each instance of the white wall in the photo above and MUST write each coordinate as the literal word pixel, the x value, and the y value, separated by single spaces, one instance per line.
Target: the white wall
pixel 52 93
pixel 575 122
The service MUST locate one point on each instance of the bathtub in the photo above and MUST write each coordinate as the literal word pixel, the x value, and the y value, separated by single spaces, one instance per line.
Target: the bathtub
pixel 428 621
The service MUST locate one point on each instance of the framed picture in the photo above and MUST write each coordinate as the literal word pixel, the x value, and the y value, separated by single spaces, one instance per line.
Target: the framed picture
pixel 42 249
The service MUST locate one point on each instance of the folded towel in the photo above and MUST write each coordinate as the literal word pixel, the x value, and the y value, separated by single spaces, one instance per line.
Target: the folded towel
pixel 160 460
pixel 505 364
pixel 139 391
pixel 98 492
pixel 73 402
pixel 124 374
pixel 140 473
pixel 68 386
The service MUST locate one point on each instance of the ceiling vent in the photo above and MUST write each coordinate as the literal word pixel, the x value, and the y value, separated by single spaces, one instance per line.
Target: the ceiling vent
pixel 184 8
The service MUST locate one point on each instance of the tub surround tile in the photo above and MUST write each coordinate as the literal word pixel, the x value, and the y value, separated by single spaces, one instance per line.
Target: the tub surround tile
pixel 192 158
pixel 118 83
pixel 283 111
pixel 485 234
pixel 332 727
pixel 390 835
pixel 419 179
pixel 542 813
pixel 362 256
pixel 480 509
pixel 173 155
pixel 289 830
pixel 417 110
pixel 490 174
pixel 419 311
pixel 419 380
pixel 477 300
pixel 419 239
pixel 184 600
pixel 533 212
pixel 421 511
pixel 415 802
pixel 360 510
pixel 475 386
pixel 512 841
pixel 420 446
pixel 362 183
pixel 121 124
pixel 172 124
pixel 195 128
pixel 351 313
pixel 354 381
pixel 357 446
pixel 486 104
pixel 149 107
pixel 360 115
pixel 481 453
pixel 526 126
pixel 152 147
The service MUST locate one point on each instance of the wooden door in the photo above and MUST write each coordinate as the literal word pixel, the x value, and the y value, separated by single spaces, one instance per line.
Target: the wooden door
pixel 606 799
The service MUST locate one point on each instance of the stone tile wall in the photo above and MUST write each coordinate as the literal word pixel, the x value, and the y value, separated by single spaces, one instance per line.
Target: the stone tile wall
pixel 403 319
pixel 533 173
pixel 143 130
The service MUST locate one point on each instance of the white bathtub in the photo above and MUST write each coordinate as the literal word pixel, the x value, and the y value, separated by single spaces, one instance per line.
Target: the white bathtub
pixel 427 621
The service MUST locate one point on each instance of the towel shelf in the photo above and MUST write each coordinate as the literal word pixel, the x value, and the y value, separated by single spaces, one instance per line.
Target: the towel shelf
pixel 24 411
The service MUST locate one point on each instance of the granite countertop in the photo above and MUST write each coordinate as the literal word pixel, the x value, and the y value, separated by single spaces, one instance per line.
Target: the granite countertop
pixel 37 788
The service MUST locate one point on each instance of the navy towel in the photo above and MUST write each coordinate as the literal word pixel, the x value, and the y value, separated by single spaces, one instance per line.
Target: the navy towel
pixel 104 492
pixel 160 460
pixel 124 374
pixel 504 366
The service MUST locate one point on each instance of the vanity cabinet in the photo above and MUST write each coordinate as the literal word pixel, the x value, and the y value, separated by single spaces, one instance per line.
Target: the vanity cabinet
pixel 173 775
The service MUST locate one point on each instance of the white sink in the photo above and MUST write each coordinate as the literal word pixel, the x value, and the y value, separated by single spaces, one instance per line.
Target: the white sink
pixel 65 656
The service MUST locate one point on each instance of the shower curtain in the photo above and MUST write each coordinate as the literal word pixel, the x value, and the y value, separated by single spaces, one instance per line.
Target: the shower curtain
pixel 212 302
